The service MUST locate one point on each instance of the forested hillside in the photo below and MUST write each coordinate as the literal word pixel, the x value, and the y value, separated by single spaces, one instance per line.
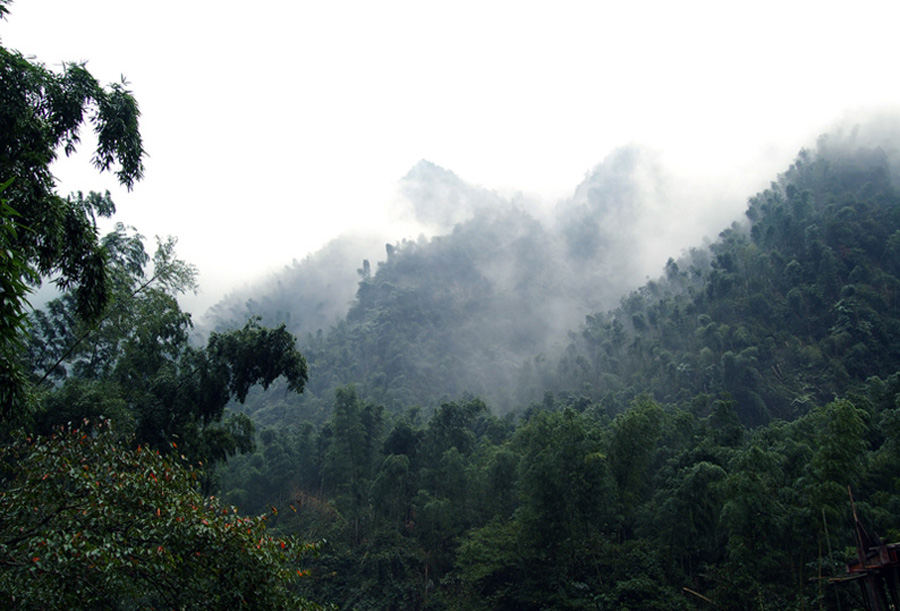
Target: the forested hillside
pixel 583 406
pixel 695 446
pixel 794 307
pixel 791 304
pixel 483 308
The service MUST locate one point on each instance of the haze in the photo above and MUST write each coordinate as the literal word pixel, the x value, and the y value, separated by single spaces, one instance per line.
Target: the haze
pixel 274 127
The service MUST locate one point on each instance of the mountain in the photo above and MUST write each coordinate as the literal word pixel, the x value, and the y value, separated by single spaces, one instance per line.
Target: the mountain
pixel 439 200
pixel 306 296
pixel 693 443
pixel 786 310
pixel 791 304
pixel 478 306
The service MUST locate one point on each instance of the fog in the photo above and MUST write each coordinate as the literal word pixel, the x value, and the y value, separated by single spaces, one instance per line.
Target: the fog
pixel 273 129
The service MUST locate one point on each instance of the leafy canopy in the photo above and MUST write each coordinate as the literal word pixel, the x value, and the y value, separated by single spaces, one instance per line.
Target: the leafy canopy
pixel 137 366
pixel 87 520
pixel 44 235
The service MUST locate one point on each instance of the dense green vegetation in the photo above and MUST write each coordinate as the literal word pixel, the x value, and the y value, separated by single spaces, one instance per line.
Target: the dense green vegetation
pixel 95 515
pixel 489 424
pixel 790 312
pixel 44 234
pixel 90 521
pixel 694 446
pixel 571 508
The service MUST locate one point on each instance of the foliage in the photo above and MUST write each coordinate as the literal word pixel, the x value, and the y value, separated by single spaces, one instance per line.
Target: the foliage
pixel 43 112
pixel 89 521
pixel 783 313
pixel 141 316
pixel 15 278
pixel 136 362
pixel 661 507
pixel 43 234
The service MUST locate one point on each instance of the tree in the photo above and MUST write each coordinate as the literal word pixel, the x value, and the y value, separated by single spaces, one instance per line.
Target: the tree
pixel 687 519
pixel 89 521
pixel 142 316
pixel 631 453
pixel 41 112
pixel 351 457
pixel 44 234
pixel 14 276
pixel 137 363
pixel 756 520
pixel 548 553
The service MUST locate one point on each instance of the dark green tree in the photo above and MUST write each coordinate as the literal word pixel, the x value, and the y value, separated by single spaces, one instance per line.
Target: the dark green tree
pixel 137 361
pixel 46 235
pixel 548 554
pixel 631 453
pixel 15 278
pixel 88 520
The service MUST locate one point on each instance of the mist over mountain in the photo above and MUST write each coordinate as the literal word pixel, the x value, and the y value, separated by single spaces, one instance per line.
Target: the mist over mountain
pixel 630 215
pixel 489 297
pixel 439 200
pixel 514 301
pixel 307 295
pixel 723 406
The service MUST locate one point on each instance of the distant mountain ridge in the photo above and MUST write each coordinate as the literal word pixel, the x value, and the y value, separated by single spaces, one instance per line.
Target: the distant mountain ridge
pixel 491 307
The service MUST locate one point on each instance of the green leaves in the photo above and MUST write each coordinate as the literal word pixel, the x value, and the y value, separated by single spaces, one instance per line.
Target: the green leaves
pixel 118 138
pixel 16 276
pixel 254 355
pixel 43 234
pixel 135 363
pixel 43 111
pixel 89 521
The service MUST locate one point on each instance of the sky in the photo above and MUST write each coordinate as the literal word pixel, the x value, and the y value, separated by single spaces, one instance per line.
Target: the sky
pixel 272 127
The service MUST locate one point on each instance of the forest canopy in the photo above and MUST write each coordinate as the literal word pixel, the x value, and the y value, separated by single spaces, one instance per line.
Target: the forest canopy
pixel 91 515
pixel 501 417
pixel 698 444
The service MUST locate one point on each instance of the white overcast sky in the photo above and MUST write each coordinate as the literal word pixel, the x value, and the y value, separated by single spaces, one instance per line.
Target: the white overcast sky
pixel 274 126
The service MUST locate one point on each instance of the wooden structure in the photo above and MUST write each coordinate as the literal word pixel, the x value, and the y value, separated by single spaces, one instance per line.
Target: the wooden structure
pixel 876 569
pixel 877 574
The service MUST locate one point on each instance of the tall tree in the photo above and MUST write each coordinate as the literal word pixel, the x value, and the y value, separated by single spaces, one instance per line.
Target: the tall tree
pixel 631 453
pixel 136 363
pixel 41 113
pixel 15 274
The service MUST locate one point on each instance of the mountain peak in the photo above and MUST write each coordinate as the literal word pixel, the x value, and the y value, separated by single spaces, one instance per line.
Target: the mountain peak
pixel 425 169
pixel 439 198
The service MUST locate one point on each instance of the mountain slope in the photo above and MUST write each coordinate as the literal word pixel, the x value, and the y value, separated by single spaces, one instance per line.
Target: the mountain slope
pixel 795 307
pixel 474 309
pixel 789 307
